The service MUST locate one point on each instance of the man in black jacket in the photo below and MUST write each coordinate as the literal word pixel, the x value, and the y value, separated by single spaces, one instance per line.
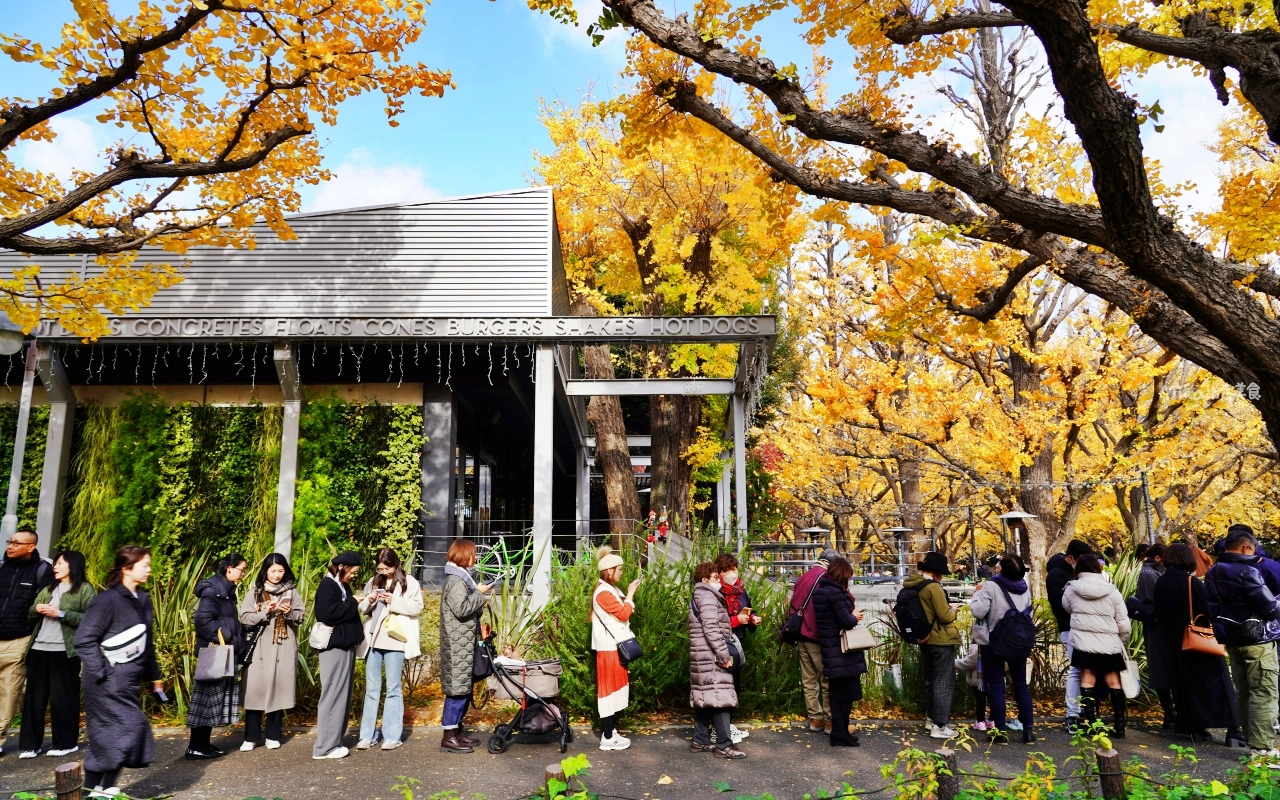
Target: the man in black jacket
pixel 1240 603
pixel 1061 571
pixel 22 575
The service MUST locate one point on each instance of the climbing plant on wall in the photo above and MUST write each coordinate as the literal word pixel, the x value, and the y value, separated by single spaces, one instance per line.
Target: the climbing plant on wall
pixel 32 461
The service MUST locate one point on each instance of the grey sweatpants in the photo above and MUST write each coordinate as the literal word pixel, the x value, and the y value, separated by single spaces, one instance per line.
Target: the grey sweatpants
pixel 939 666
pixel 337 676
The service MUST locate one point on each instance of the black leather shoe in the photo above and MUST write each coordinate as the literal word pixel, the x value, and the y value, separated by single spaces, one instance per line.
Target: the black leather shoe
pixel 199 755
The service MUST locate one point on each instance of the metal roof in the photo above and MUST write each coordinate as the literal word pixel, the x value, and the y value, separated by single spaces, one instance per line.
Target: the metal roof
pixel 486 254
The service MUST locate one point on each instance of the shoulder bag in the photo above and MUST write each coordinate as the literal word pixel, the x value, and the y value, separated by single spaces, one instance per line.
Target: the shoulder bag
pixel 791 628
pixel 481 661
pixel 125 646
pixel 737 653
pixel 1199 638
pixel 628 649
pixel 320 635
pixel 859 637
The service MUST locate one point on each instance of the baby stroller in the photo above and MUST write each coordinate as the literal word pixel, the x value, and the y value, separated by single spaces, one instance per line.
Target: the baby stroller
pixel 530 683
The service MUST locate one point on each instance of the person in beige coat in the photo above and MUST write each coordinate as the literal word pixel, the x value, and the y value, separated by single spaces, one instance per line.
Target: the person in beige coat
pixel 711 691
pixel 392 602
pixel 271 676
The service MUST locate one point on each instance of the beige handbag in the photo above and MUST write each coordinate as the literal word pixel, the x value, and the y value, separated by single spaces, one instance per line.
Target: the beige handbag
pixel 858 637
pixel 395 628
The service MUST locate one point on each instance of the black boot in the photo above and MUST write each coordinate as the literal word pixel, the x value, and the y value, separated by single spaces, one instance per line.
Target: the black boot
pixel 1088 709
pixel 1117 706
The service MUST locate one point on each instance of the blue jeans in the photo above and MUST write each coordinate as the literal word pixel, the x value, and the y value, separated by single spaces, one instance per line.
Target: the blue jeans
pixel 392 661
pixel 993 676
pixel 1073 678
pixel 455 708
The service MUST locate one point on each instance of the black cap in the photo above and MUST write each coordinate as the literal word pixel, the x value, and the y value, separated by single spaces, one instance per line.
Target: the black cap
pixel 347 558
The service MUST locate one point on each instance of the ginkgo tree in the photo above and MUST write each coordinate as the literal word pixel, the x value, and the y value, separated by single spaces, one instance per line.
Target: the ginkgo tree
pixel 217 103
pixel 1180 281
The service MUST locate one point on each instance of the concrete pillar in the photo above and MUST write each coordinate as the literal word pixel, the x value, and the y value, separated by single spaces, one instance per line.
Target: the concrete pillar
pixel 584 501
pixel 286 489
pixel 438 476
pixel 9 525
pixel 57 451
pixel 544 466
pixel 740 465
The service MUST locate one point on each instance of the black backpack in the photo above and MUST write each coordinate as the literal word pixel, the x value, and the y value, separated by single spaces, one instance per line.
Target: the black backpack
pixel 1017 632
pixel 909 612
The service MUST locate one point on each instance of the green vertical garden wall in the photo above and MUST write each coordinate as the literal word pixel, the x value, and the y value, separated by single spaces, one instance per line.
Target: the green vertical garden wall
pixel 189 480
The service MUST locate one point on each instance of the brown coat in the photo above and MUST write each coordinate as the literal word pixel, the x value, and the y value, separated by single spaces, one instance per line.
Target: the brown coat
pixel 271 677
pixel 710 685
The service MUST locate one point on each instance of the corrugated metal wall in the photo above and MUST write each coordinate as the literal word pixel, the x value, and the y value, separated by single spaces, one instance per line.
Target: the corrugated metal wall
pixel 486 255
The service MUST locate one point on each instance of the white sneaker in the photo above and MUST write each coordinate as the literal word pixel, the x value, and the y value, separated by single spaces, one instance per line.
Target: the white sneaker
pixel 928 726
pixel 337 752
pixel 272 744
pixel 100 792
pixel 736 734
pixel 246 747
pixel 618 742
pixel 364 744
pixel 942 733
pixel 28 754
pixel 66 752
pixel 391 745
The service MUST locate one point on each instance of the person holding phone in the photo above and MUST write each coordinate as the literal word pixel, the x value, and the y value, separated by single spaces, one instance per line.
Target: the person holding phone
pixel 271 676
pixel 741 618
pixel 392 602
pixel 117 653
pixel 216 703
pixel 611 612
pixel 462 601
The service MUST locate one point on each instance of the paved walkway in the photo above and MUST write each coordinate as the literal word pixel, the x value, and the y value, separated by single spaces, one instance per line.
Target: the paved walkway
pixel 785 762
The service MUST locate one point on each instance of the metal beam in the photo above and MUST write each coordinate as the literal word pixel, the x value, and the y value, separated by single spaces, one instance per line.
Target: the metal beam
pixel 9 525
pixel 286 488
pixel 653 386
pixel 740 465
pixel 632 441
pixel 544 398
pixel 57 450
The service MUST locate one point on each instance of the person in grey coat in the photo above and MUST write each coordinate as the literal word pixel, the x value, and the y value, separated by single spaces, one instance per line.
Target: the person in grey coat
pixel 711 691
pixel 274 605
pixel 119 733
pixel 462 601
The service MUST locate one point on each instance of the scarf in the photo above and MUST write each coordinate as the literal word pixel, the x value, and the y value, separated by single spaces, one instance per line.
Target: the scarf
pixel 733 596
pixel 270 591
pixel 451 568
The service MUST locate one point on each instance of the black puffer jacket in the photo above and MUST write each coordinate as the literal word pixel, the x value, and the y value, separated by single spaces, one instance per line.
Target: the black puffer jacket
pixel 218 610
pixel 1057 575
pixel 20 581
pixel 1237 592
pixel 833 608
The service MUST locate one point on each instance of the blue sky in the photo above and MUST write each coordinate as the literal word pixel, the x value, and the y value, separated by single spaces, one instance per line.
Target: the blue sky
pixel 505 59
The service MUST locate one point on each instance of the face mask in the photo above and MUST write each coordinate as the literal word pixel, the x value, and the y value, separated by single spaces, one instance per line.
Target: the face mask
pixel 730 577
pixel 715 585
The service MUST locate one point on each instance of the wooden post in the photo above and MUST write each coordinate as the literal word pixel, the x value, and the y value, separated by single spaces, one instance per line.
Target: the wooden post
pixel 1109 774
pixel 68 780
pixel 948 785
pixel 554 773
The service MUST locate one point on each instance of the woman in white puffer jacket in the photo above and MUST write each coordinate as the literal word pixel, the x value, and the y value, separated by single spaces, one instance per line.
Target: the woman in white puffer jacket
pixel 1099 636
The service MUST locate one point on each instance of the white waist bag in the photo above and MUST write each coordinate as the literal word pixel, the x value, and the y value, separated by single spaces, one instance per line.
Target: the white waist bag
pixel 127 645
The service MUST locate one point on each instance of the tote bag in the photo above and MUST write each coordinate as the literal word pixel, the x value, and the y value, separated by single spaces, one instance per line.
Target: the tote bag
pixel 216 662
pixel 1129 678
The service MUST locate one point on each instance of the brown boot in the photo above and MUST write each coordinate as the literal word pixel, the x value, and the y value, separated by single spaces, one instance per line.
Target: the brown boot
pixel 450 743
pixel 466 738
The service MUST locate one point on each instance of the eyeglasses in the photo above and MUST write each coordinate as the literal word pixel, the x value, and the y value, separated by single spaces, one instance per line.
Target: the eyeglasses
pixel 20 543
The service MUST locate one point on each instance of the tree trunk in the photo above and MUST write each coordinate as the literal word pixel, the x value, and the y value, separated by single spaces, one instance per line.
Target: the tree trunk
pixel 612 454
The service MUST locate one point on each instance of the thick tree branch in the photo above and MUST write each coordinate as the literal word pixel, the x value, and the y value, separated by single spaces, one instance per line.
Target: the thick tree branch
pixel 128 169
pixel 20 119
pixel 997 297
pixel 906 29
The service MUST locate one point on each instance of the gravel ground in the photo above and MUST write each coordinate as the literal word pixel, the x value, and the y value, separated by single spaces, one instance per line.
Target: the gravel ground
pixel 787 762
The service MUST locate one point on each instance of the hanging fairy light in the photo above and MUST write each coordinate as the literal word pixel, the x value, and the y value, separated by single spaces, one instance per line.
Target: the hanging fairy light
pixel 490 363
pixel 449 376
pixel 204 361
pixel 504 358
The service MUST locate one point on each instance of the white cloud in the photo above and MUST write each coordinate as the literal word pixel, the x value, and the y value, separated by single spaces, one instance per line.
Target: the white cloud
pixel 73 148
pixel 556 35
pixel 357 181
